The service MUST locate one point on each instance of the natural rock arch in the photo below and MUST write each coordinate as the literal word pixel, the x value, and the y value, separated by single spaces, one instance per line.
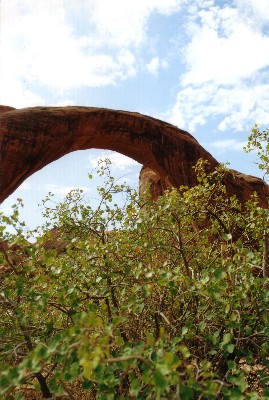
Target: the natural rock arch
pixel 34 137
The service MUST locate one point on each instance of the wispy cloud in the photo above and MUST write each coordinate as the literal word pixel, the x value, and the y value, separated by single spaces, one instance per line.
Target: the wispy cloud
pixel 124 23
pixel 56 51
pixel 62 190
pixel 155 64
pixel 227 60
pixel 119 161
pixel 228 144
pixel 225 47
pixel 239 106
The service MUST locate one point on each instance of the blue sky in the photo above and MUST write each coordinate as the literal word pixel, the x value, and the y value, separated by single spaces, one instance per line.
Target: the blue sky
pixel 202 65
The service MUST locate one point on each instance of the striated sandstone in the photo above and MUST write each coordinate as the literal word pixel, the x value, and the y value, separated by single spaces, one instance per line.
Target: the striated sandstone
pixel 34 137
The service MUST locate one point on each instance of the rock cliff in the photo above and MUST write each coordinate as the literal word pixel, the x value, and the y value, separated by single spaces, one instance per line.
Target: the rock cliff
pixel 33 137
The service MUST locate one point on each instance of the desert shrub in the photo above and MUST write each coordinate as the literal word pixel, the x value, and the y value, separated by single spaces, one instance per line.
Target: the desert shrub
pixel 143 300
pixel 258 141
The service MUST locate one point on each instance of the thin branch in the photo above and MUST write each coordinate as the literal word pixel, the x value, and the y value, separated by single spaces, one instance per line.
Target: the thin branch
pixel 266 256
pixel 2 248
pixel 127 358
pixel 68 391
pixel 181 249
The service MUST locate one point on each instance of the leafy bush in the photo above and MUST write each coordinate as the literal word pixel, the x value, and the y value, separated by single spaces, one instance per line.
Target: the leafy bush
pixel 148 301
pixel 258 141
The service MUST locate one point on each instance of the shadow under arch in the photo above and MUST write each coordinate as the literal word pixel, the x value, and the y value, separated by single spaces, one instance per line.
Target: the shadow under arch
pixel 34 137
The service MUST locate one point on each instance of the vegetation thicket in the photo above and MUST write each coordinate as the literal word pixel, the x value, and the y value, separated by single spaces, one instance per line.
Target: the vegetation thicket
pixel 163 300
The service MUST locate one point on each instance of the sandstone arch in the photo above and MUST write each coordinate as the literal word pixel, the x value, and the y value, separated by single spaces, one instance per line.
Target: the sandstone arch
pixel 33 137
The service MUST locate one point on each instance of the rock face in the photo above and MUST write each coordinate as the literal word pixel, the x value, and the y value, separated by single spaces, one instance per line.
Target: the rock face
pixel 33 137
pixel 150 179
pixel 4 109
pixel 236 183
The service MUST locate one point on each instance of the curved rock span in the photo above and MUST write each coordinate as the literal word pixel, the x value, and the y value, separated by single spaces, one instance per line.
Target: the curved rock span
pixel 34 137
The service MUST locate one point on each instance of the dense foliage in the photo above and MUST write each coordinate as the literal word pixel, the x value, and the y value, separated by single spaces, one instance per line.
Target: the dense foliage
pixel 142 300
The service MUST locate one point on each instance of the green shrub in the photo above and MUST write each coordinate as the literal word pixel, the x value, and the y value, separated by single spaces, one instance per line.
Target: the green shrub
pixel 148 301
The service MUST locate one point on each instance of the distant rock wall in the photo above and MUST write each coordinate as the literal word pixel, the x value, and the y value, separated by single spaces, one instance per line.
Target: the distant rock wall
pixel 34 137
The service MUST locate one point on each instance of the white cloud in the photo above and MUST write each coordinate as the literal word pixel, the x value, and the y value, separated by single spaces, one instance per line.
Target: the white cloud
pixel 123 23
pixel 14 93
pixel 227 74
pixel 239 106
pixel 50 55
pixel 43 44
pixel 62 190
pixel 225 59
pixel 228 144
pixel 118 161
pixel 155 64
pixel 257 8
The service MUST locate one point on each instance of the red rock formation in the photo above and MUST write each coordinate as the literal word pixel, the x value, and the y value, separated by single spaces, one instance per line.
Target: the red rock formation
pixel 4 109
pixel 32 138
pixel 237 184
pixel 149 179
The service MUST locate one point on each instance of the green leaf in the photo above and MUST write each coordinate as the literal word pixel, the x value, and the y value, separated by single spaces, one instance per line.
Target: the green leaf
pixel 160 380
pixel 184 330
pixel 87 384
pixel 254 396
pixel 184 351
pixel 186 392
pixel 230 348
pixel 231 364
pixel 227 338
pixel 227 237
pixel 219 273
pixel 135 387
pixel 235 394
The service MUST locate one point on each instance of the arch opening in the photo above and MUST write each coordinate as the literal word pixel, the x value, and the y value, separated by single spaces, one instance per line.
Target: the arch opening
pixel 68 173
